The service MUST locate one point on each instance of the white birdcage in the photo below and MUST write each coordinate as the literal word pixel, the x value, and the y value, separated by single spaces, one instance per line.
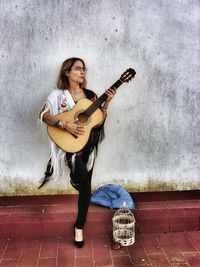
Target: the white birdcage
pixel 124 226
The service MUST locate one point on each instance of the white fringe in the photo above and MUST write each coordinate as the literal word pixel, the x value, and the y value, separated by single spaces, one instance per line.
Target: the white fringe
pixel 57 157
pixel 73 162
pixel 90 162
pixel 46 107
pixel 91 159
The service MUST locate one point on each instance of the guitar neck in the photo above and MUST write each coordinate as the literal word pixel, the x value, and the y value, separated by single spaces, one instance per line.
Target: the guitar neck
pixel 101 99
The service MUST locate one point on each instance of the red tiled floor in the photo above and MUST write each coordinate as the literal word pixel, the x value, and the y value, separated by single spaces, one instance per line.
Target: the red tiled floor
pixel 193 259
pixel 84 262
pixel 151 244
pixel 159 260
pixel 153 250
pixel 162 196
pixel 183 220
pixel 170 249
pixel 86 251
pixel 45 200
pixel 50 219
pixel 12 254
pixel 101 250
pixel 47 262
pixel 26 229
pixel 151 221
pixel 183 242
pixel 5 210
pixel 29 257
pixel 66 253
pixel 152 205
pixel 122 261
pixel 138 253
pixel 26 209
pixel 102 257
pixel 49 249
pixel 195 239
pixel 182 204
pixel 52 216
pixel 198 203
pixel 9 263
pixel 123 251
pixel 60 208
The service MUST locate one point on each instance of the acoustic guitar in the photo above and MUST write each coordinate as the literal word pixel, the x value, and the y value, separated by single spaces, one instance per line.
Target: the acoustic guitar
pixel 86 113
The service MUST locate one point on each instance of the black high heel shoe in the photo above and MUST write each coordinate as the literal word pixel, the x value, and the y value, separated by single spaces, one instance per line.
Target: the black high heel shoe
pixel 78 244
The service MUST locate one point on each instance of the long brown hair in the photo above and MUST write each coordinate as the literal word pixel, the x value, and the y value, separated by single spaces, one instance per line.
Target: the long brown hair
pixel 63 81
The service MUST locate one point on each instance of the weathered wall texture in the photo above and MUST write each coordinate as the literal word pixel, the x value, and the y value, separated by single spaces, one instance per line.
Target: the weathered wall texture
pixel 152 132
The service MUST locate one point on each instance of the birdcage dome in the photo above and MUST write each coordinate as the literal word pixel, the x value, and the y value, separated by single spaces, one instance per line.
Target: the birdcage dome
pixel 124 226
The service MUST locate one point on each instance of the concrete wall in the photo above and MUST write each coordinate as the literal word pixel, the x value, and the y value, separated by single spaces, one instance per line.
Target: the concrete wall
pixel 152 132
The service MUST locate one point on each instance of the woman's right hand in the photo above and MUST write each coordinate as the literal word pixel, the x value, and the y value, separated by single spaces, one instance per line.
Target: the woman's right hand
pixel 74 128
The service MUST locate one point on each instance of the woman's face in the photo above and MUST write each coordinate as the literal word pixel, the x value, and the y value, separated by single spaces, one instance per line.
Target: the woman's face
pixel 77 72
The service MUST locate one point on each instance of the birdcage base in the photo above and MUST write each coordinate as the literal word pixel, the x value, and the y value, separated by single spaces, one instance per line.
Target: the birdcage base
pixel 124 236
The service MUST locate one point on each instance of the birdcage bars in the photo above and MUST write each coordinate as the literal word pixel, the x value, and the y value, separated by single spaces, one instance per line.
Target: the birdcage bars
pixel 124 226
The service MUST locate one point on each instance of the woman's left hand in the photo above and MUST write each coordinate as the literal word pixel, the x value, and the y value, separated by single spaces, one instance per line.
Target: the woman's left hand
pixel 110 93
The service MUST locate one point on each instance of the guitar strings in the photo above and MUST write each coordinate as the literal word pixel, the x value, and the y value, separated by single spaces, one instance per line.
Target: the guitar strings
pixel 89 111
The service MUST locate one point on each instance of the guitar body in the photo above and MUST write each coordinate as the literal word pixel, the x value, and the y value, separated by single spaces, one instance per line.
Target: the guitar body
pixel 65 140
pixel 88 114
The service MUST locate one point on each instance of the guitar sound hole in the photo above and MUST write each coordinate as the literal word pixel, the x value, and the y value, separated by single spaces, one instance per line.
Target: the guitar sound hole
pixel 83 117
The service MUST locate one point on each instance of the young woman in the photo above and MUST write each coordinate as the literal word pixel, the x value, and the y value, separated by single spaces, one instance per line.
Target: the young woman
pixel 70 89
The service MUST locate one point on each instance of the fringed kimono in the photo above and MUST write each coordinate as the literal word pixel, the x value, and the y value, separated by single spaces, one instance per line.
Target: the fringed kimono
pixel 81 163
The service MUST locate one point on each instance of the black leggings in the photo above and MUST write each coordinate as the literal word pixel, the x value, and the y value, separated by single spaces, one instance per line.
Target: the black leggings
pixel 84 189
pixel 82 180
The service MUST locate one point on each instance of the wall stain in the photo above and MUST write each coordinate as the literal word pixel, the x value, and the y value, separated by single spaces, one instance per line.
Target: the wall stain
pixel 152 185
pixel 19 186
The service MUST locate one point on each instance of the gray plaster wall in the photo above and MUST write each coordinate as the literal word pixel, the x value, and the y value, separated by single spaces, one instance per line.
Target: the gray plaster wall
pixel 152 130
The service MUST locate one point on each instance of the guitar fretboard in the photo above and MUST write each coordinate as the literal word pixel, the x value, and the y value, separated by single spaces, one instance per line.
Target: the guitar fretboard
pixel 89 111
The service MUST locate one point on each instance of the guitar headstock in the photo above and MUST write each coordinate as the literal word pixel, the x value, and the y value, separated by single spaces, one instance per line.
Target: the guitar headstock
pixel 127 75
